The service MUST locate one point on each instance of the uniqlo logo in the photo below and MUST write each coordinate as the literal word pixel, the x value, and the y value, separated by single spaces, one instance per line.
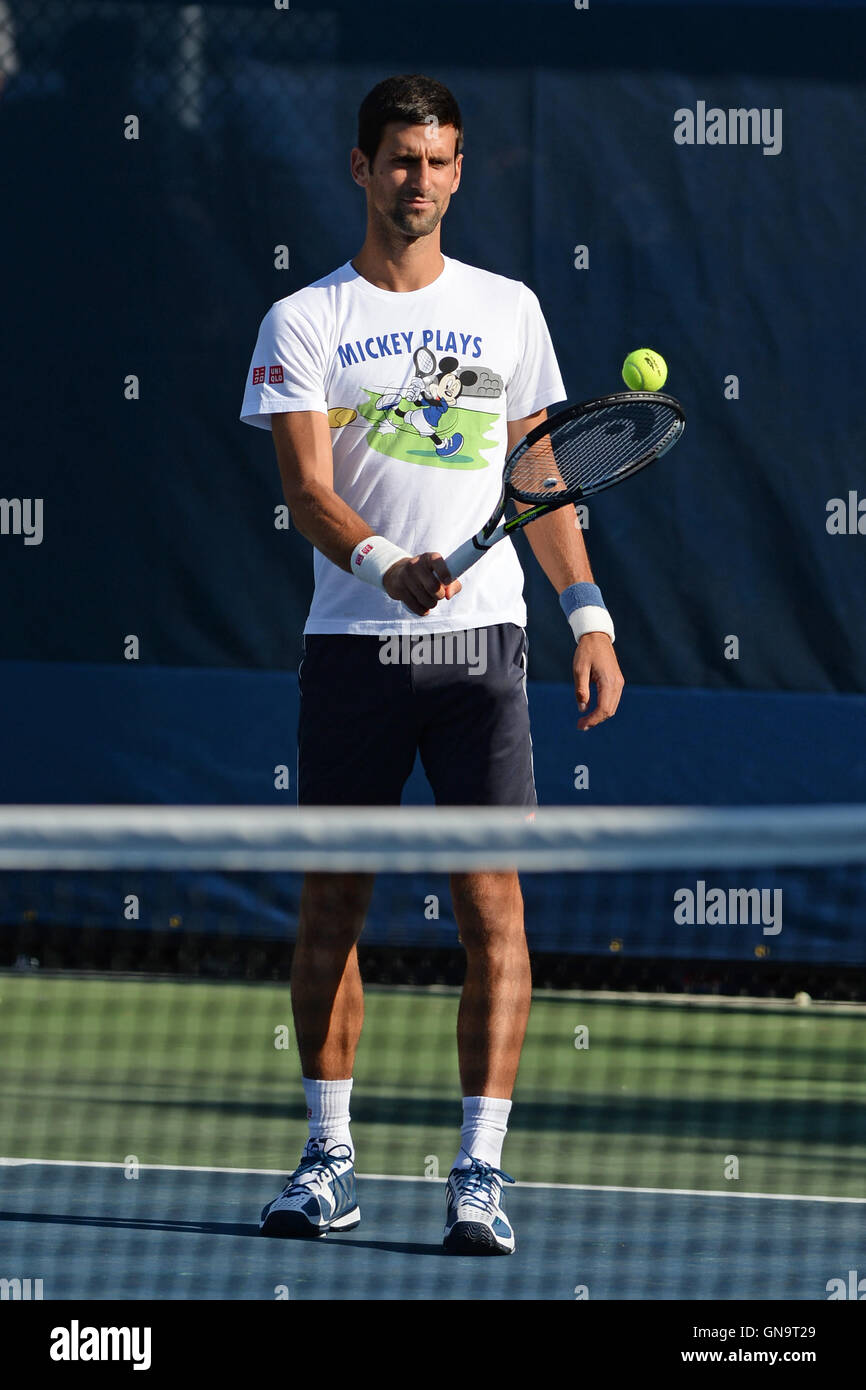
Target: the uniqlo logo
pixel 275 376
pixel 258 376
pixel 359 558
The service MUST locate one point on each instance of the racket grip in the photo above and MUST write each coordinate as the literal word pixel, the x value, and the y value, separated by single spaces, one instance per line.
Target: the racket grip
pixel 461 559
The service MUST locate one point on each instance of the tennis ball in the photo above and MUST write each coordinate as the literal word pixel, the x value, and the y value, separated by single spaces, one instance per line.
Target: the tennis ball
pixel 644 370
pixel 802 998
pixel 341 415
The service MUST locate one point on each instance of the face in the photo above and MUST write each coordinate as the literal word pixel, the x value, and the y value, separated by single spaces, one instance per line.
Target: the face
pixel 450 387
pixel 413 176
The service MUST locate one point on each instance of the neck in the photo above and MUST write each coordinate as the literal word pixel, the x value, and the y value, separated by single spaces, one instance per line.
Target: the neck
pixel 402 268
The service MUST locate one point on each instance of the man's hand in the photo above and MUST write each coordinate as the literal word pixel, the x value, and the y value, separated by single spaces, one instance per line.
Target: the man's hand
pixel 421 582
pixel 594 661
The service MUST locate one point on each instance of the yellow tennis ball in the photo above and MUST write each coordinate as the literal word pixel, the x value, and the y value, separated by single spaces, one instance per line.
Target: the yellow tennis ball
pixel 644 370
pixel 341 415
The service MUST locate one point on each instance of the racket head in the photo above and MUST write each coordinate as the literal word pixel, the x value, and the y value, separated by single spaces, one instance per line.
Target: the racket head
pixel 587 448
pixel 425 362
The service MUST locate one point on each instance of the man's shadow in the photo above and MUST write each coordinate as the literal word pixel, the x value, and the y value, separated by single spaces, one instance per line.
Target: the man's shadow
pixel 216 1228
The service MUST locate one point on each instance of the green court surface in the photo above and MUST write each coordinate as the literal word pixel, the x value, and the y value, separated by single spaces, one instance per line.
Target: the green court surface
pixel 669 1094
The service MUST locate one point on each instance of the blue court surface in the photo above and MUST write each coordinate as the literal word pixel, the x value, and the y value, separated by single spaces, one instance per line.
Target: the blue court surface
pixel 89 1232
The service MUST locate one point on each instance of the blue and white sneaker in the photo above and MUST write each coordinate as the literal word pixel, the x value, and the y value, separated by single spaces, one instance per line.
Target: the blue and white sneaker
pixel 450 446
pixel 389 400
pixel 475 1223
pixel 319 1196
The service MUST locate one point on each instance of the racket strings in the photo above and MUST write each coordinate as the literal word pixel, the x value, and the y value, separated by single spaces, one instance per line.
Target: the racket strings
pixel 592 450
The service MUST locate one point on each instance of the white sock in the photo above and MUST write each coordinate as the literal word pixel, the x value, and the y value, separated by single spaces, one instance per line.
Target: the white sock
pixel 328 1111
pixel 485 1123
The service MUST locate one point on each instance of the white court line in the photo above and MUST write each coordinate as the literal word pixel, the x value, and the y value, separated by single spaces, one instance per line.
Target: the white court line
pixel 404 1177
pixel 738 1002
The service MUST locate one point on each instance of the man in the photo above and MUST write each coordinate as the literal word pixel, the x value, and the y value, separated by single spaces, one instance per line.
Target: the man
pixel 393 388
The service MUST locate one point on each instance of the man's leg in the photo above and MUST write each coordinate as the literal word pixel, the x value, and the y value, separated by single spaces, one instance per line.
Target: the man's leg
pixel 476 749
pixel 356 737
pixel 327 997
pixel 328 1006
pixel 494 1007
pixel 328 1001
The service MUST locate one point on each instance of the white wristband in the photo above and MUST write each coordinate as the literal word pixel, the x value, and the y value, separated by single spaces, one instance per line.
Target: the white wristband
pixel 584 608
pixel 590 619
pixel 373 557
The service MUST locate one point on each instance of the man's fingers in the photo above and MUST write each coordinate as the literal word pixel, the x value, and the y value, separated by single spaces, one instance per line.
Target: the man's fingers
pixel 581 683
pixel 428 586
pixel 423 593
pixel 424 571
pixel 609 691
pixel 450 587
pixel 598 716
pixel 424 587
pixel 438 567
pixel 438 563
pixel 420 583
pixel 402 583
pixel 595 664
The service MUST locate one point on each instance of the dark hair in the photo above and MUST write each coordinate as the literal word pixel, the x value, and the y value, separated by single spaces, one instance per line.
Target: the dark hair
pixel 409 99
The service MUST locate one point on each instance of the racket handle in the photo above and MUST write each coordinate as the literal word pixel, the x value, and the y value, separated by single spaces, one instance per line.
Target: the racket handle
pixel 461 559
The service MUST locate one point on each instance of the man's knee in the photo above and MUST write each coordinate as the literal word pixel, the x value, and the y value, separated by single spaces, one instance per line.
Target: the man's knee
pixel 488 908
pixel 335 905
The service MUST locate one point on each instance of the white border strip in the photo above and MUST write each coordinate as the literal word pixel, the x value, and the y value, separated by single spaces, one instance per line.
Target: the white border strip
pixel 421 838
pixel 403 1177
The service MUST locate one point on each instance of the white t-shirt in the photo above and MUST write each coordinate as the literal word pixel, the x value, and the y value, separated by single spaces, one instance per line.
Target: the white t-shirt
pixel 418 387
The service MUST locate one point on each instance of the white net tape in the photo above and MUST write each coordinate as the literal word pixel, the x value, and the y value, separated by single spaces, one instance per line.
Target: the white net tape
pixel 413 839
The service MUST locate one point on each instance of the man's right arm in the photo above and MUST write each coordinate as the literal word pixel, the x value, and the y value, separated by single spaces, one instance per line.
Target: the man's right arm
pixel 302 440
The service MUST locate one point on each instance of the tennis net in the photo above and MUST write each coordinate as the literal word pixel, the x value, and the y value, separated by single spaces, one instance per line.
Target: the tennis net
pixel 691 1081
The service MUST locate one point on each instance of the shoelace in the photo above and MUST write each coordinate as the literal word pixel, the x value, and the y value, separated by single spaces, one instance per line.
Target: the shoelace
pixel 319 1159
pixel 476 1184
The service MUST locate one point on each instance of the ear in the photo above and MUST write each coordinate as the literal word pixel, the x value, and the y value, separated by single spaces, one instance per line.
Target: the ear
pixel 359 166
pixel 446 365
pixel 468 378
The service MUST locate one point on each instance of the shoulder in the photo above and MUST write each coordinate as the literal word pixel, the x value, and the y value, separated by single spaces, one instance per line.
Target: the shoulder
pixel 487 282
pixel 312 304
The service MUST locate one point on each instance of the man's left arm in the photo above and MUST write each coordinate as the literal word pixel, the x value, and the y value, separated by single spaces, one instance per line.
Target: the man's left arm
pixel 558 545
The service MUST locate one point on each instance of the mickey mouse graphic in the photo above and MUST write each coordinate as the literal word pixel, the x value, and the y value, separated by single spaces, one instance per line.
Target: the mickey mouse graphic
pixel 439 390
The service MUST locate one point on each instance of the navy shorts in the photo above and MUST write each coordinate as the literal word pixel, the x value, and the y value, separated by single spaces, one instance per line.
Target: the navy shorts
pixel 370 704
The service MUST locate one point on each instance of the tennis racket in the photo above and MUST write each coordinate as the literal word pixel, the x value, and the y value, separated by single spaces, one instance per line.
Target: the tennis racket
pixel 425 362
pixel 578 452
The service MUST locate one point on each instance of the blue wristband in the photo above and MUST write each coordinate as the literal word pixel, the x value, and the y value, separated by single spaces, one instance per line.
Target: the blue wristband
pixel 584 608
pixel 580 596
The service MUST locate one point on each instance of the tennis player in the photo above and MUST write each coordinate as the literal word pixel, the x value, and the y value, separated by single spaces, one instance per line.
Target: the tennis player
pixel 393 388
